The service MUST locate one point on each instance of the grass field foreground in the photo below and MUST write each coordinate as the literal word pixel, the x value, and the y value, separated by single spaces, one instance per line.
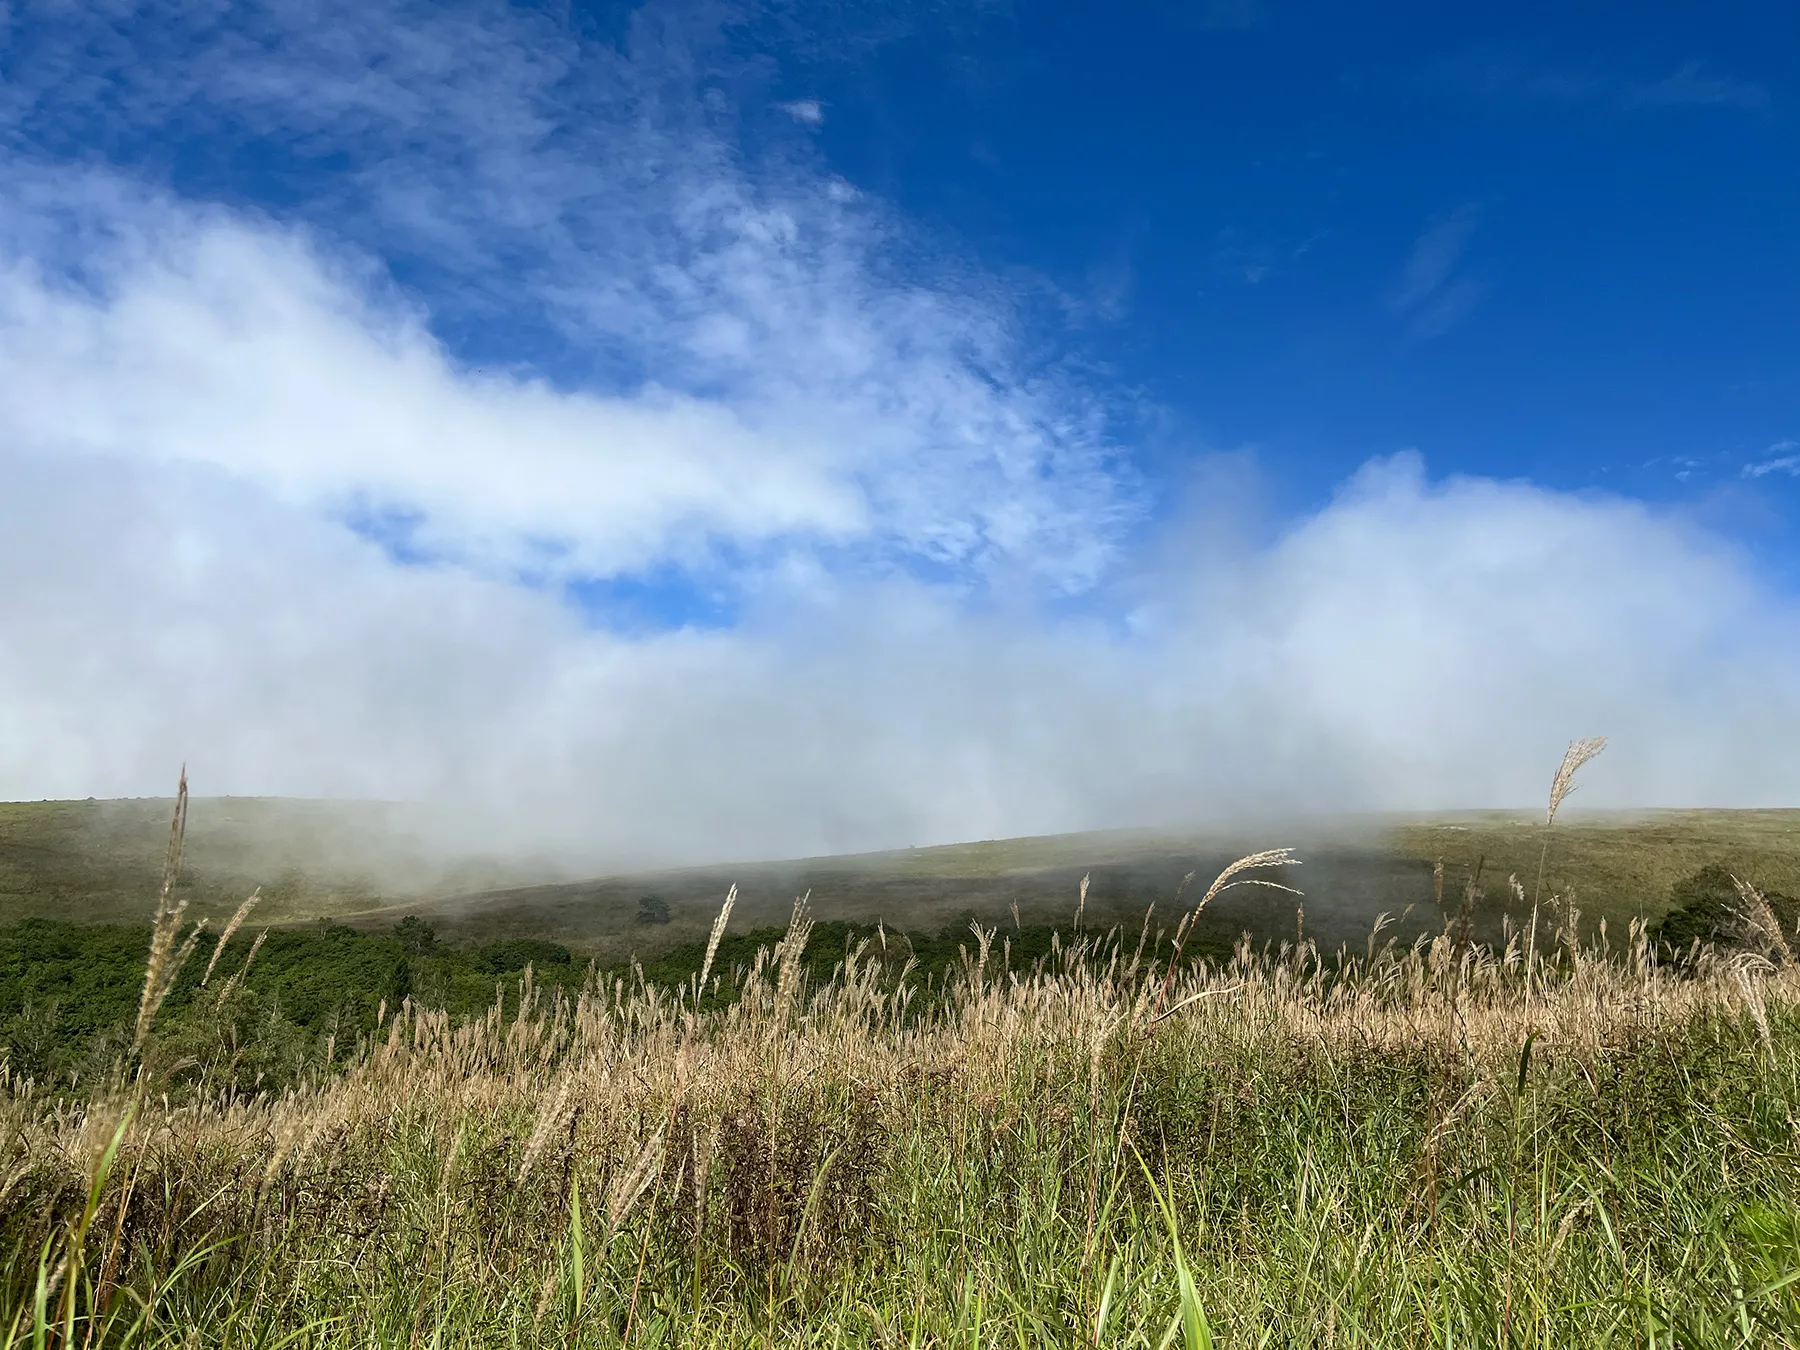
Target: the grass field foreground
pixel 1556 1139
pixel 1436 1143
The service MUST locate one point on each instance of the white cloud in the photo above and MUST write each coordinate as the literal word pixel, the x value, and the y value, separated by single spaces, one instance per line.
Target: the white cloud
pixel 1781 458
pixel 231 346
pixel 586 205
pixel 191 395
pixel 1413 645
pixel 806 110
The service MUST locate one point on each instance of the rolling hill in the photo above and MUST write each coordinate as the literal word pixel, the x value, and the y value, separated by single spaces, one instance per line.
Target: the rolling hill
pixel 369 864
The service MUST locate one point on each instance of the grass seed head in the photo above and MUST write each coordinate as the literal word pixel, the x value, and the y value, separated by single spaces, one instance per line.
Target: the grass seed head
pixel 242 912
pixel 716 936
pixel 1578 753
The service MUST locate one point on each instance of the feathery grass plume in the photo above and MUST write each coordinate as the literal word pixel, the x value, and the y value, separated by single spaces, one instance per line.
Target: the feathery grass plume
pixel 629 1187
pixel 1760 916
pixel 242 912
pixel 984 942
pixel 1578 753
pixel 243 970
pixel 1143 936
pixel 1461 926
pixel 791 948
pixel 1230 877
pixel 1081 904
pixel 551 1119
pixel 705 1149
pixel 1561 785
pixel 286 1132
pixel 1741 967
pixel 162 967
pixel 250 957
pixel 717 935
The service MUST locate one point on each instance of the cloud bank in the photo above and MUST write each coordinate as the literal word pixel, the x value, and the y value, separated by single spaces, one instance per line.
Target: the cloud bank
pixel 303 489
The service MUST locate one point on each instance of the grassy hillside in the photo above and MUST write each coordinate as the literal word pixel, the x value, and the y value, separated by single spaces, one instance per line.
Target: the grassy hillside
pixel 1615 866
pixel 367 864
pixel 101 861
pixel 1613 863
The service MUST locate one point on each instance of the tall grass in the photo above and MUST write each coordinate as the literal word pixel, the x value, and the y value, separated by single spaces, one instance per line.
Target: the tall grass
pixel 1562 783
pixel 1439 1144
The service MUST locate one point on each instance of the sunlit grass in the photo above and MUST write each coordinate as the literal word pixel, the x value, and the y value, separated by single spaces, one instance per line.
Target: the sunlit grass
pixel 1560 1140
pixel 1415 1147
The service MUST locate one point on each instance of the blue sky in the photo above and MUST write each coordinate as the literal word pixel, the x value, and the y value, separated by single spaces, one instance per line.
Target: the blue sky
pixel 1549 241
pixel 886 414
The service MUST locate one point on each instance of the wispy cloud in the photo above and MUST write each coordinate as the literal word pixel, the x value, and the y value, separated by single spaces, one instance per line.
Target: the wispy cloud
pixel 1781 457
pixel 1431 293
pixel 1693 87
pixel 1214 15
pixel 1251 259
pixel 1514 78
pixel 545 195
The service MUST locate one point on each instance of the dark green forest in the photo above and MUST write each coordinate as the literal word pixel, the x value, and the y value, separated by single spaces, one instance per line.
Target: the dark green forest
pixel 69 992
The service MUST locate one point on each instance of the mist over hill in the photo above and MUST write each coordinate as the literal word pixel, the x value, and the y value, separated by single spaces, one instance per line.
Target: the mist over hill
pixel 372 863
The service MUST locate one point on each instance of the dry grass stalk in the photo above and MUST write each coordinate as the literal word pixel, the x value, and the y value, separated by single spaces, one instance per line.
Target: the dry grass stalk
pixel 237 979
pixel 1561 785
pixel 705 1148
pixel 1753 1000
pixel 1081 904
pixel 1578 753
pixel 165 962
pixel 1230 877
pixel 791 949
pixel 242 912
pixel 715 937
pixel 1761 918
pixel 1143 936
pixel 1576 1210
pixel 1461 926
pixel 631 1184
pixel 1192 999
pixel 550 1122
pixel 289 1126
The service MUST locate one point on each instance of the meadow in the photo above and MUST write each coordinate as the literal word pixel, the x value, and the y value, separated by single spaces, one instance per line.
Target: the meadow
pixel 1082 1134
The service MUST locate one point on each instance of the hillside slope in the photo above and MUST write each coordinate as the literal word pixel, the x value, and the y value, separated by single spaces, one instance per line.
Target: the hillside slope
pixel 366 863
